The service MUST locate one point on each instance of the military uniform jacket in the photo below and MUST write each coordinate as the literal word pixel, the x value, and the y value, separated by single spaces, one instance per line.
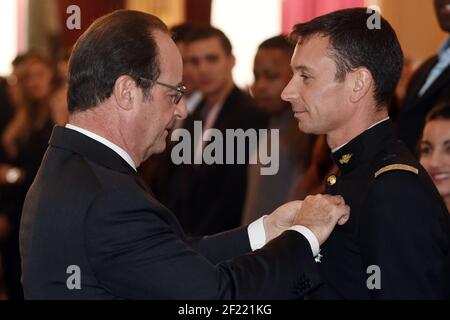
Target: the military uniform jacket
pixel 396 242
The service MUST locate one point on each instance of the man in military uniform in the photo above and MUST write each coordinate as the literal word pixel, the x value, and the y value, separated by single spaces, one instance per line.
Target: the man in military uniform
pixel 396 243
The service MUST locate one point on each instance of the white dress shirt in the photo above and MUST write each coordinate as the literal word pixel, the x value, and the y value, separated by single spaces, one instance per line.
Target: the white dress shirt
pixel 256 232
pixel 257 235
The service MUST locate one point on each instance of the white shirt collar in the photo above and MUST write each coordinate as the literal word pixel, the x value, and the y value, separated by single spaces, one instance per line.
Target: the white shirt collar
pixel 122 153
pixel 341 146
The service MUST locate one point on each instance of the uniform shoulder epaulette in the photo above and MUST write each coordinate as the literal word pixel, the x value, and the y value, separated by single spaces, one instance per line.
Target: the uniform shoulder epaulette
pixel 396 166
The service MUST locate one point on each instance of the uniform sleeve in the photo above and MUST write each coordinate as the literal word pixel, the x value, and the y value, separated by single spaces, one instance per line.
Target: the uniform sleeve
pixel 402 233
pixel 135 254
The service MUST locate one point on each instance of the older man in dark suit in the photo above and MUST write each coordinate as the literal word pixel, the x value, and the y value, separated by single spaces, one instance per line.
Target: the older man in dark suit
pixel 91 228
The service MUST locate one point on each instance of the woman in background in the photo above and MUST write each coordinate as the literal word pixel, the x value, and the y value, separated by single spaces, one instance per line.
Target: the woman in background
pixel 23 142
pixel 435 149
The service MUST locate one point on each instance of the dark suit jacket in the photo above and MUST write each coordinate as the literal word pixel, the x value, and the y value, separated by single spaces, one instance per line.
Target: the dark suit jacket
pixel 398 222
pixel 209 198
pixel 411 119
pixel 87 207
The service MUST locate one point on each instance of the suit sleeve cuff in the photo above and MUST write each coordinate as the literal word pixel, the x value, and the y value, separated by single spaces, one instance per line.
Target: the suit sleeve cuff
pixel 257 234
pixel 309 235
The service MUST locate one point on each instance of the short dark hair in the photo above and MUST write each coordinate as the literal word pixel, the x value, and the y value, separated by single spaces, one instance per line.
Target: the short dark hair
pixel 120 43
pixel 181 32
pixel 207 32
pixel 280 42
pixel 354 45
pixel 439 112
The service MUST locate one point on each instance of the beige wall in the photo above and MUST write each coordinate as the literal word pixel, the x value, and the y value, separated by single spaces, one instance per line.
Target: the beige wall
pixel 416 25
pixel 169 11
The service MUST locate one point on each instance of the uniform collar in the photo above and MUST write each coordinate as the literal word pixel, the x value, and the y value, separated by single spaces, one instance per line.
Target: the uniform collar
pixel 364 147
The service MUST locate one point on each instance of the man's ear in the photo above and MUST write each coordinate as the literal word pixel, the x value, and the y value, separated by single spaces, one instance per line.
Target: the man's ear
pixel 124 92
pixel 361 84
pixel 232 60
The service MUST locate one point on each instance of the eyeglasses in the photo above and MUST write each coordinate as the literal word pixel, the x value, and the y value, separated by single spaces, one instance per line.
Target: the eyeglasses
pixel 180 89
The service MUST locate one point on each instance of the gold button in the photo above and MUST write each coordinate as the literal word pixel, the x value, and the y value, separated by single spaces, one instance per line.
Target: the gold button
pixel 331 180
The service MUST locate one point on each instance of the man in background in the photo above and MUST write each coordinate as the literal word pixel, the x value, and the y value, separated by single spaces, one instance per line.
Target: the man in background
pixel 272 73
pixel 210 198
pixel 180 35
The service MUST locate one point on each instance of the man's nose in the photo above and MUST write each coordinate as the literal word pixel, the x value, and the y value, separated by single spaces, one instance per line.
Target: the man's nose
pixel 203 66
pixel 181 109
pixel 289 92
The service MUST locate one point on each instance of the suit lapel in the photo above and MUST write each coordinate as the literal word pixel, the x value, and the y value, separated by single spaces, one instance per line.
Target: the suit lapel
pixel 226 114
pixel 223 119
pixel 442 80
pixel 416 84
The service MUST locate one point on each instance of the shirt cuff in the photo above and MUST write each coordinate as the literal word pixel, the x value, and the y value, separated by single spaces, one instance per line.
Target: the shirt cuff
pixel 257 234
pixel 309 235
